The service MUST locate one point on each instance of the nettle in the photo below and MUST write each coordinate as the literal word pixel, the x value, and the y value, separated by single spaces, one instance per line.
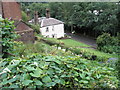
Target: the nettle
pixel 39 71
pixel 8 35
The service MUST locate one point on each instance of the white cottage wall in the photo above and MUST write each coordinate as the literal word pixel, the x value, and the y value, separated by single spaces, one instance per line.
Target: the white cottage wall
pixel 56 30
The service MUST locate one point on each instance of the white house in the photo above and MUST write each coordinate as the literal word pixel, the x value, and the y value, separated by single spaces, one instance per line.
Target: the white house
pixel 50 27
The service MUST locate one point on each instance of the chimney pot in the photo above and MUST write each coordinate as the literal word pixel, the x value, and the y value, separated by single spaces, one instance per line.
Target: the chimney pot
pixel 47 13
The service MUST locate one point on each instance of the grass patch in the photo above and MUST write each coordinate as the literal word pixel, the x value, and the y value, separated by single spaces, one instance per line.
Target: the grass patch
pixel 100 55
pixel 73 43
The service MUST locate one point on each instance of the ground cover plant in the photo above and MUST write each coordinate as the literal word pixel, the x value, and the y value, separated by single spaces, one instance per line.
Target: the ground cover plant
pixel 46 71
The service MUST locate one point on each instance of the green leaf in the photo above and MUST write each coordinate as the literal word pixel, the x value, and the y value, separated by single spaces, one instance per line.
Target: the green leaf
pixel 30 68
pixel 27 82
pixel 37 82
pixel 57 80
pixel 13 86
pixel 37 73
pixel 50 84
pixel 9 81
pixel 63 75
pixel 62 81
pixel 26 76
pixel 50 71
pixel 46 79
pixel 83 81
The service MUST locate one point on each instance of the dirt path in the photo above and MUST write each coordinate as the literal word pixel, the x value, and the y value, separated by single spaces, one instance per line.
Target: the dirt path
pixel 87 40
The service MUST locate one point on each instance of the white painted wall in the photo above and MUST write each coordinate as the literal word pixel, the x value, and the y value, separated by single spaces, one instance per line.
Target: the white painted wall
pixel 57 30
pixel 0 15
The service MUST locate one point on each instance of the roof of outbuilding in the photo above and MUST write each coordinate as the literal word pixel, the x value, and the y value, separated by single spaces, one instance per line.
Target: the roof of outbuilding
pixel 49 22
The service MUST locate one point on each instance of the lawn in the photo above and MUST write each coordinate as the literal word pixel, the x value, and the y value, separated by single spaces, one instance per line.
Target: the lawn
pixel 73 43
pixel 98 53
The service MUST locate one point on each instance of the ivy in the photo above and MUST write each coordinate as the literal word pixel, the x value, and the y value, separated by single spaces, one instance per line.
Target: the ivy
pixel 8 36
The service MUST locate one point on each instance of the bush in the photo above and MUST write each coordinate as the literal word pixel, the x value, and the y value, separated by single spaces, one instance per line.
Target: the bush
pixel 25 18
pixel 8 36
pixel 28 49
pixel 36 28
pixel 45 72
pixel 108 44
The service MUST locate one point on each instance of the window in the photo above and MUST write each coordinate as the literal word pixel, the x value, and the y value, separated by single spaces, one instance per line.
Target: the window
pixel 47 30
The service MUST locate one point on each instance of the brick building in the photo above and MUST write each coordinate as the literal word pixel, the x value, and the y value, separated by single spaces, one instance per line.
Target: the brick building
pixel 11 10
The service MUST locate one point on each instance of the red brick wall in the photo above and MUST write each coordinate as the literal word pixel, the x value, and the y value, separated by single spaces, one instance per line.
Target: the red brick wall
pixel 26 33
pixel 11 9
pixel 26 36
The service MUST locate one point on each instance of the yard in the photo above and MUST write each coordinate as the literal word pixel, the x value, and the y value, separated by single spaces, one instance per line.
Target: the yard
pixel 73 43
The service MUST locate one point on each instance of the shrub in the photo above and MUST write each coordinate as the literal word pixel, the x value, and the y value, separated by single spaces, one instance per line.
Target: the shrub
pixel 39 71
pixel 8 36
pixel 25 18
pixel 36 28
pixel 108 44
pixel 28 49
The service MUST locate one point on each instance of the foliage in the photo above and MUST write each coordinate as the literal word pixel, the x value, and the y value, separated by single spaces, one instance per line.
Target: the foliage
pixel 8 36
pixel 118 69
pixel 36 28
pixel 108 44
pixel 87 53
pixel 23 50
pixel 39 71
pixel 40 7
pixel 97 17
pixel 25 18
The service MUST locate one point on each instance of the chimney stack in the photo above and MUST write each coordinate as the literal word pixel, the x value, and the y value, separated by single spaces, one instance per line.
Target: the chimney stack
pixel 36 17
pixel 28 14
pixel 47 13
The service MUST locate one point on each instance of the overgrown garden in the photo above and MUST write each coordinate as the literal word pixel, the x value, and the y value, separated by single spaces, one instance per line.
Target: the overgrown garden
pixel 42 66
pixel 56 63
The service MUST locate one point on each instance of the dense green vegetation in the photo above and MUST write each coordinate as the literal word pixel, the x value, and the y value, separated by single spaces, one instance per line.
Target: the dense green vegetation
pixel 64 63
pixel 87 53
pixel 82 17
pixel 46 71
pixel 108 44
pixel 8 36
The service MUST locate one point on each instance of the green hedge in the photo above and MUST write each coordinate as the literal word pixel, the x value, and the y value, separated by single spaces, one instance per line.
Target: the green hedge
pixel 39 71
pixel 108 44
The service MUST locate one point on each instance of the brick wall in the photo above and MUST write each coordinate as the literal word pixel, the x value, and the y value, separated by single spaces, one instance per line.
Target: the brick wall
pixel 26 33
pixel 26 36
pixel 0 8
pixel 11 10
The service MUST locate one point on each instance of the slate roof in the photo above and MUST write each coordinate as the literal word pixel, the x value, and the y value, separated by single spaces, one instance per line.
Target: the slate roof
pixel 49 21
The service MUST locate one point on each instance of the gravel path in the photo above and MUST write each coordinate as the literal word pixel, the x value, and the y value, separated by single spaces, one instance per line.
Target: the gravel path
pixel 81 38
